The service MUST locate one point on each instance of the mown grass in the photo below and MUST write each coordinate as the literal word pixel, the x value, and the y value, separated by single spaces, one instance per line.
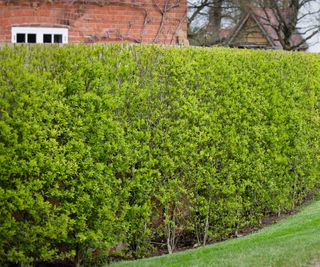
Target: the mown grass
pixel 291 242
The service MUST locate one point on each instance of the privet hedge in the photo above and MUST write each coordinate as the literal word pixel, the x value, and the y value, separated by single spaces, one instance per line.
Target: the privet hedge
pixel 111 150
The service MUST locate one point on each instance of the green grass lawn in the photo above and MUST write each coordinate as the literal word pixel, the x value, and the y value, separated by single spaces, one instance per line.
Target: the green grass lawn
pixel 291 242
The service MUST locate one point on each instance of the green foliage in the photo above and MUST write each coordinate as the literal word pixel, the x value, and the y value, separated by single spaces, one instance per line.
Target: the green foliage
pixel 105 149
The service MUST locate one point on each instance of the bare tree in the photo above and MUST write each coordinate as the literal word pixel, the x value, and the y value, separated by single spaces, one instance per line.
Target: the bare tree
pixel 289 19
pixel 208 17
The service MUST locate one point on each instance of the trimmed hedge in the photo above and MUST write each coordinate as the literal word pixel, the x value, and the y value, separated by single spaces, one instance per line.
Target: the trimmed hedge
pixel 110 149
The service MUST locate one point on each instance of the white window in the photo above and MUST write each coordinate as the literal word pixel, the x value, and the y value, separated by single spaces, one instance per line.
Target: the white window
pixel 39 35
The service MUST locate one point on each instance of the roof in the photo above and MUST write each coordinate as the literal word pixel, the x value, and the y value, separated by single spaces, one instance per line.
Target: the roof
pixel 266 21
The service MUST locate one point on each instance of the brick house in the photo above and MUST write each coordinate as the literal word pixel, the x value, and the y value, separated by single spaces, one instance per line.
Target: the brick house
pixel 93 21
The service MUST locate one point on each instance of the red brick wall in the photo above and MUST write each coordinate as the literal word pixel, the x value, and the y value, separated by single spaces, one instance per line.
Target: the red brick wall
pixel 94 21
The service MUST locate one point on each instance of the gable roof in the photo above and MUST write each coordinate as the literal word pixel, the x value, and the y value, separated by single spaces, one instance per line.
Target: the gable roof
pixel 266 21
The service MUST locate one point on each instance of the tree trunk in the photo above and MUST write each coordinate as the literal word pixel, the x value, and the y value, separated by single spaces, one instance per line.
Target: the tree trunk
pixel 214 24
pixel 169 239
pixel 206 229
pixel 78 258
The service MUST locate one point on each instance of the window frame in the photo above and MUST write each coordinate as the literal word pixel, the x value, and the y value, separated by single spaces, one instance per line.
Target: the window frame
pixel 40 32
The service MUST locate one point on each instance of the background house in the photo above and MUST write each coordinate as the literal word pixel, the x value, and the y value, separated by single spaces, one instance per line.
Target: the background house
pixel 291 21
pixel 92 21
pixel 259 28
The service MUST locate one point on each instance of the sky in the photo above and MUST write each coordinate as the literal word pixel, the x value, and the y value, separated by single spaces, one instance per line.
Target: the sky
pixel 314 43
